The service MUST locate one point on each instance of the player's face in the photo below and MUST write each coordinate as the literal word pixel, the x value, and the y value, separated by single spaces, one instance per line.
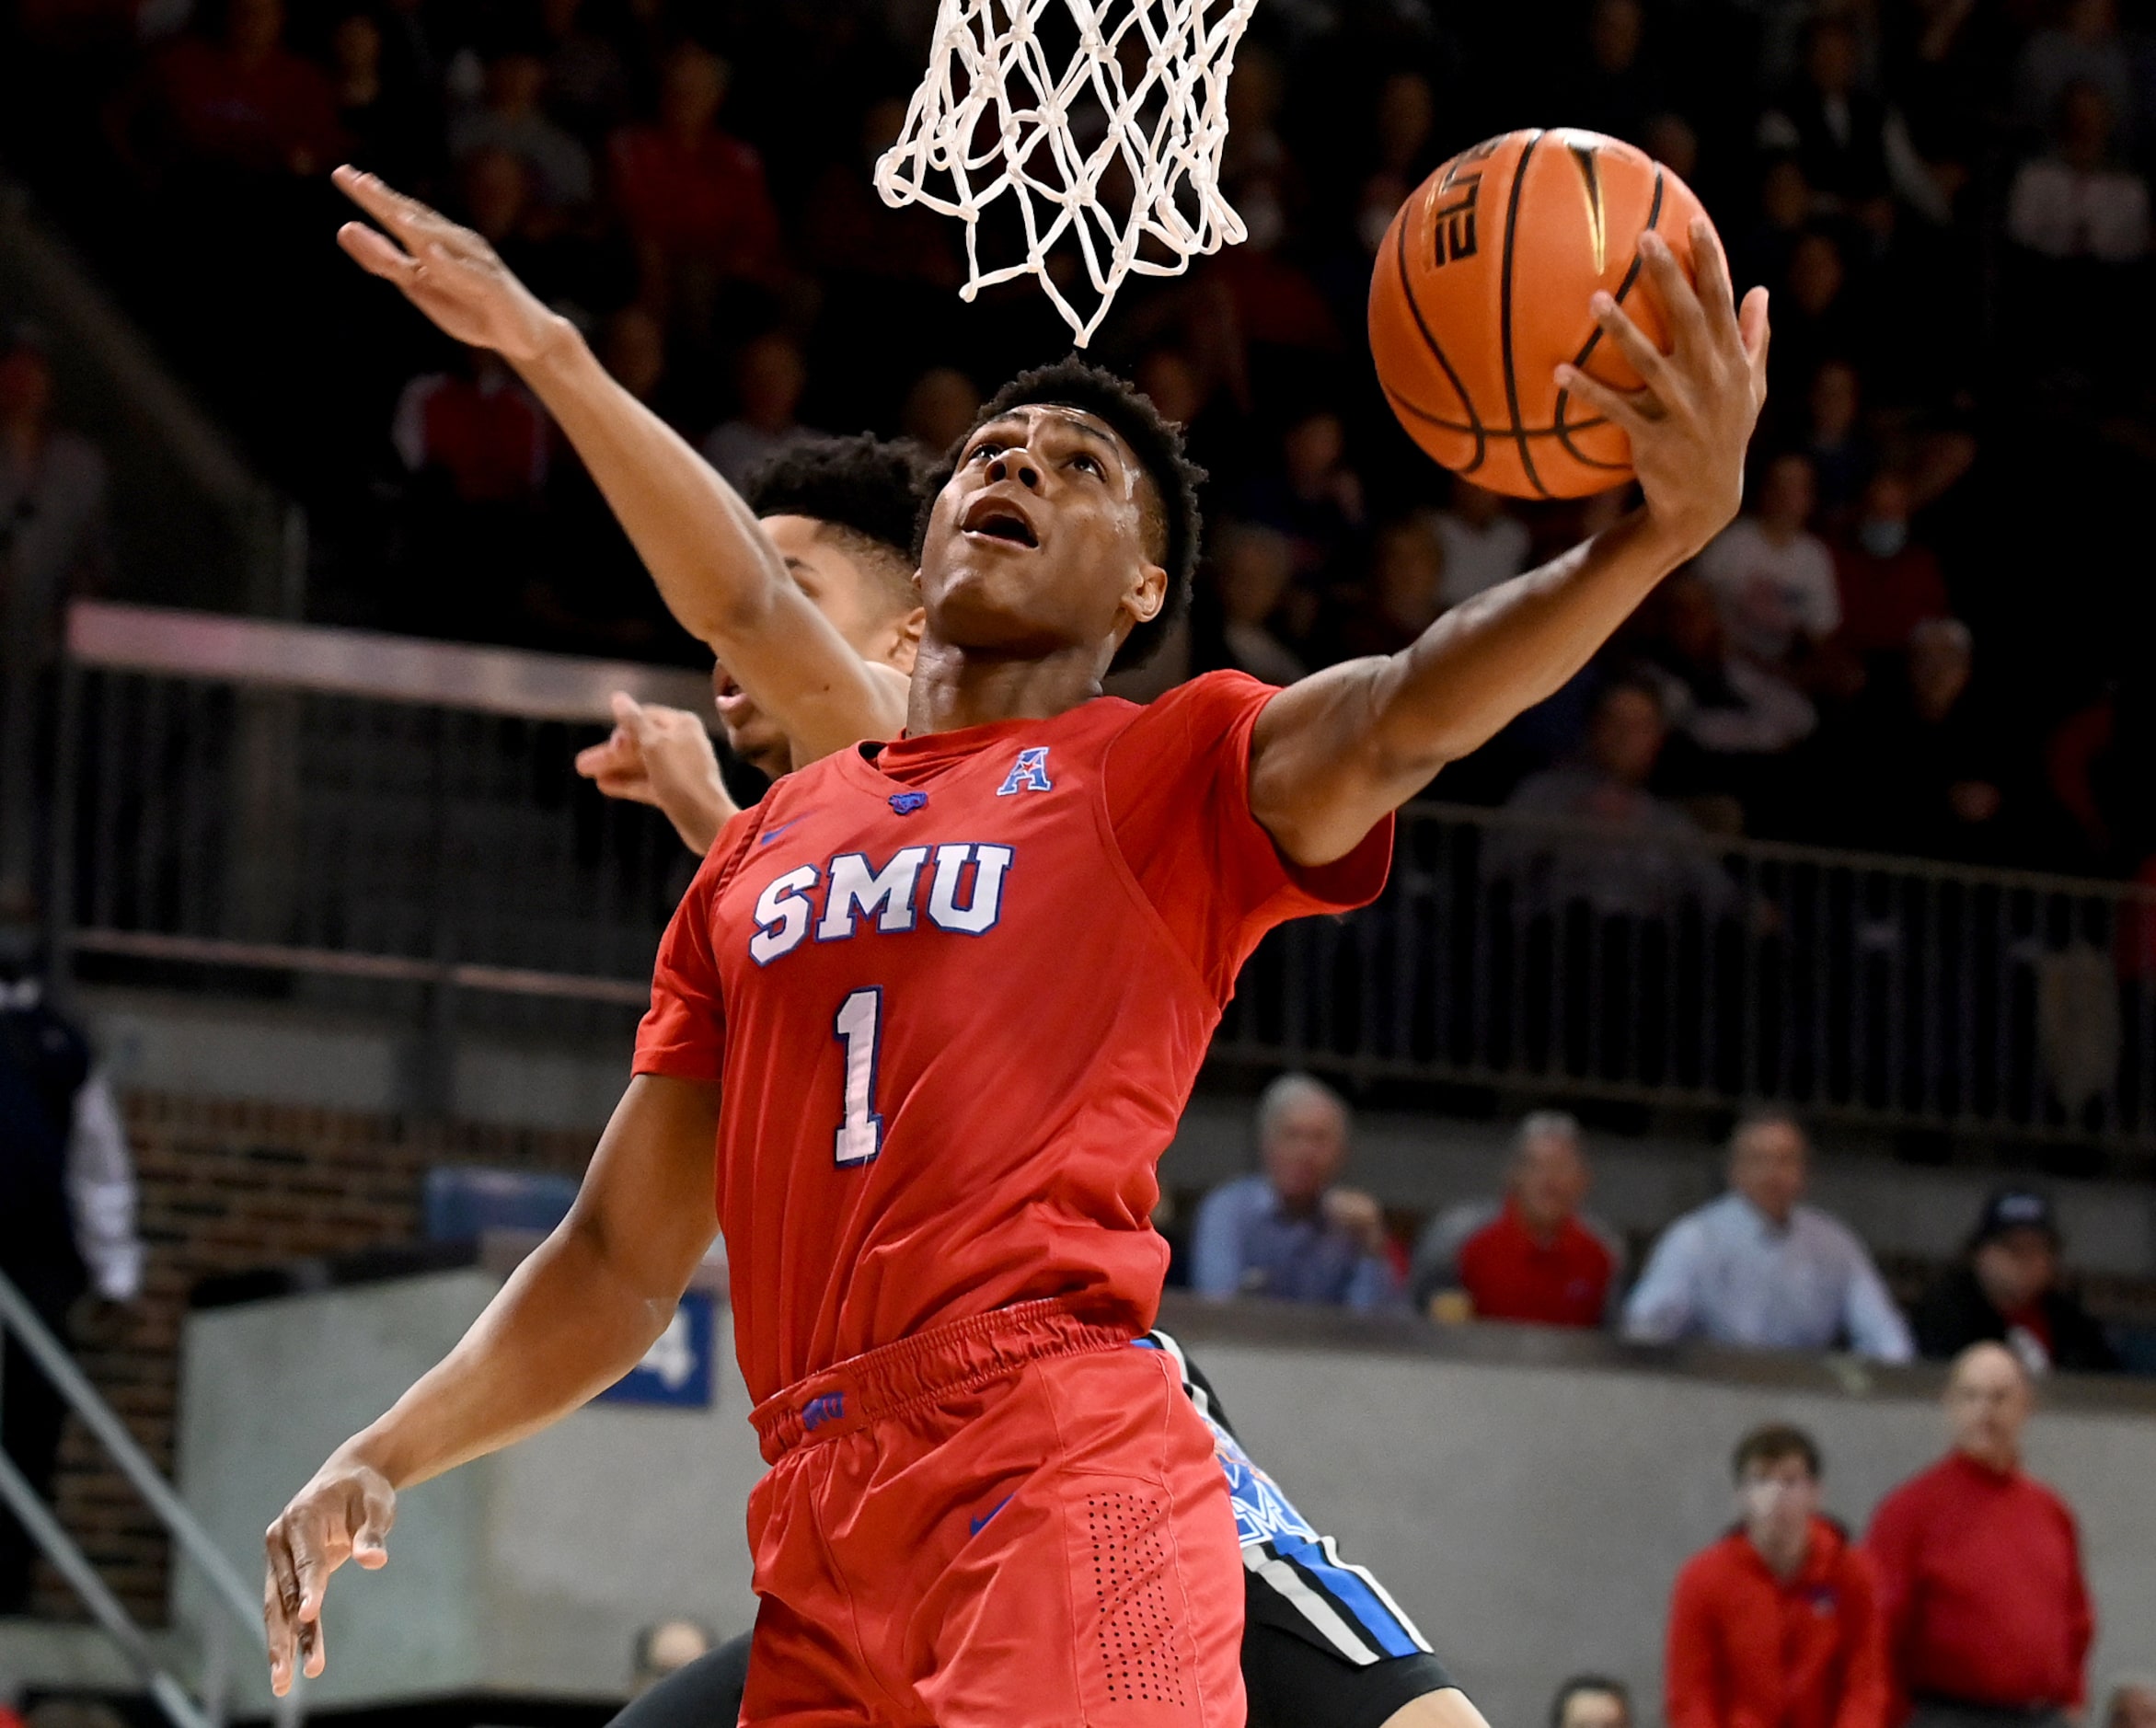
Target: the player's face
pixel 1037 545
pixel 855 601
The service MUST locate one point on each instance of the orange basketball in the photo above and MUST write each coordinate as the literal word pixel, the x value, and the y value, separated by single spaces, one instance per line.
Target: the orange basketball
pixel 1481 289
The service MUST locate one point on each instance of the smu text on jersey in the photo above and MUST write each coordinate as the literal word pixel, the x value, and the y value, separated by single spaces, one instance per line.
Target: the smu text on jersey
pixel 851 893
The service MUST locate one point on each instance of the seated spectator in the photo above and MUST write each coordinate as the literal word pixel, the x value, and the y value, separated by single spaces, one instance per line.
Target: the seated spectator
pixel 1843 457
pixel 386 127
pixel 244 102
pixel 693 197
pixel 1315 499
pixel 1533 1256
pixel 2078 201
pixel 1779 1622
pixel 1888 583
pixel 509 117
pixel 1405 114
pixel 1728 713
pixel 1773 579
pixel 2133 1704
pixel 1253 566
pixel 2007 1289
pixel 1407 576
pixel 940 408
pixel 1592 1700
pixel 1650 861
pixel 586 83
pixel 666 1649
pixel 1836 131
pixel 1759 1270
pixel 1289 1233
pixel 1619 88
pixel 2085 46
pixel 1485 543
pixel 479 429
pixel 1986 1608
pixel 769 380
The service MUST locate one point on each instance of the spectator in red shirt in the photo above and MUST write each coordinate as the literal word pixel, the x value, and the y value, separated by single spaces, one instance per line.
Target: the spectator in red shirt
pixel 1989 1620
pixel 1530 1257
pixel 1889 584
pixel 1777 1625
pixel 245 102
pixel 480 428
pixel 693 197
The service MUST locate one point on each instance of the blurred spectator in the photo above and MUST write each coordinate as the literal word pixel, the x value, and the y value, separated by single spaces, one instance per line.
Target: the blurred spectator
pixel 1485 543
pixel 384 127
pixel 1773 579
pixel 849 230
pixel 586 83
pixel 1290 1232
pixel 1836 130
pixel 2078 201
pixel 1818 315
pixel 479 429
pixel 1779 1622
pixel 511 117
pixel 769 380
pixel 1315 499
pixel 53 547
pixel 1888 584
pixel 1592 1700
pixel 1407 579
pixel 940 410
pixel 1619 88
pixel 2083 47
pixel 2133 1704
pixel 2007 1289
pixel 1253 566
pixel 1921 767
pixel 1843 457
pixel 632 347
pixel 666 1649
pixel 693 197
pixel 67 1211
pixel 1758 1269
pixel 244 102
pixel 1533 1256
pixel 1406 112
pixel 1988 1613
pixel 1662 864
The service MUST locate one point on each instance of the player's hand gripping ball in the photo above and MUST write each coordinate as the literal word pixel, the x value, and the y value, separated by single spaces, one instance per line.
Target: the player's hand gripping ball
pixel 1481 289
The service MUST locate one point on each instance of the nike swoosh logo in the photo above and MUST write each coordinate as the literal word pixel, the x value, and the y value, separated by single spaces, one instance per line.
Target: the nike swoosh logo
pixel 981 1523
pixel 770 835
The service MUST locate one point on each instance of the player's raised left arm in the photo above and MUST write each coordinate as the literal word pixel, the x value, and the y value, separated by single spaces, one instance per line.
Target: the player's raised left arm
pixel 1333 753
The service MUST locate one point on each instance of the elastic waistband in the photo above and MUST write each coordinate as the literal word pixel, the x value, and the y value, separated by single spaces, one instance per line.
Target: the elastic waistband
pixel 866 1389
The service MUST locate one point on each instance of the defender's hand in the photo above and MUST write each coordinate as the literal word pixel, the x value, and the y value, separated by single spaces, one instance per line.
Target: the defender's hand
pixel 344 1513
pixel 1691 421
pixel 662 757
pixel 449 272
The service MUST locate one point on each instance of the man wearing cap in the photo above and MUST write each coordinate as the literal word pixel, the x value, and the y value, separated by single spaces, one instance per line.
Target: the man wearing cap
pixel 1988 1622
pixel 2006 1290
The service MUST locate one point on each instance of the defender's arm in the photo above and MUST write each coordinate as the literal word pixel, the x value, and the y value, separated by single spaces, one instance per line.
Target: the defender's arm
pixel 719 574
pixel 573 1318
pixel 1333 753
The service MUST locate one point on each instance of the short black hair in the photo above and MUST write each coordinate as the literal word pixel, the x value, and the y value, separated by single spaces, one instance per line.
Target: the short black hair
pixel 863 486
pixel 1580 1682
pixel 1158 447
pixel 1771 1444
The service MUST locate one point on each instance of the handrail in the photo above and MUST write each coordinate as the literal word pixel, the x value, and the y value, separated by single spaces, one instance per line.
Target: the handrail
pixel 337 662
pixel 52 1359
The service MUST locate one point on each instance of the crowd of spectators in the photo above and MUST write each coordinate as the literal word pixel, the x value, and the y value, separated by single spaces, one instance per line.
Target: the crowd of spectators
pixel 1756 1269
pixel 1908 640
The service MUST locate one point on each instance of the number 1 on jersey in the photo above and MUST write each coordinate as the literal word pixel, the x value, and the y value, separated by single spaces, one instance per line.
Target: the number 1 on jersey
pixel 859 1030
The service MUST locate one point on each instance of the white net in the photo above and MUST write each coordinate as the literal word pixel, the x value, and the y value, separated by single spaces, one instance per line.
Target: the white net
pixel 1112 146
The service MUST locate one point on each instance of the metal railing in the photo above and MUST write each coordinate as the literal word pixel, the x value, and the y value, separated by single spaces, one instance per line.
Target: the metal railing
pixel 206 1706
pixel 1667 967
pixel 398 824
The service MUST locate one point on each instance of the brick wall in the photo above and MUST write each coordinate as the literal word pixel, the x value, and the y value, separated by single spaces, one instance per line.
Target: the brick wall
pixel 231 1187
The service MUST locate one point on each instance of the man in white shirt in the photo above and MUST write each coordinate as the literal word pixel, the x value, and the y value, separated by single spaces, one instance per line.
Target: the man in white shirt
pixel 1774 580
pixel 1485 543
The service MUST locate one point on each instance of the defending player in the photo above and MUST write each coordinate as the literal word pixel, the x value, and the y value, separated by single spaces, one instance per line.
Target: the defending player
pixel 1026 916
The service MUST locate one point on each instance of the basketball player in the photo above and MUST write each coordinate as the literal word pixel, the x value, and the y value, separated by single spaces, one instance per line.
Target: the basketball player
pixel 1324 1642
pixel 1027 914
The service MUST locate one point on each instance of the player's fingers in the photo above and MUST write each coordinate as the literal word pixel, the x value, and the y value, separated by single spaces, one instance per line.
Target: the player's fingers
pixel 1711 273
pixel 1673 291
pixel 1624 408
pixel 377 253
pixel 1756 331
pixel 1633 342
pixel 371 1519
pixel 406 217
pixel 276 1625
pixel 627 710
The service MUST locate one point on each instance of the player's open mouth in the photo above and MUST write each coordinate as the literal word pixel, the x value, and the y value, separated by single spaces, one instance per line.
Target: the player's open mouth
pixel 991 518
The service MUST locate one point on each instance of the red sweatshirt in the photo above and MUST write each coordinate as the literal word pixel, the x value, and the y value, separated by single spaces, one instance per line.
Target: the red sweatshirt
pixel 1980 1580
pixel 1749 1650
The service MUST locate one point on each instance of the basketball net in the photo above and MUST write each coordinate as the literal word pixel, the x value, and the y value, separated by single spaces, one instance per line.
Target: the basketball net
pixel 992 117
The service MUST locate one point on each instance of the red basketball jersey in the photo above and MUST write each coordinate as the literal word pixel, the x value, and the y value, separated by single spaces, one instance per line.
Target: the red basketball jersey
pixel 956 990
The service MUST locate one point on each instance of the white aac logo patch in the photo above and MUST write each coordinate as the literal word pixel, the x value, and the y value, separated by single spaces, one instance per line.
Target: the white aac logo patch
pixel 856 894
pixel 1028 774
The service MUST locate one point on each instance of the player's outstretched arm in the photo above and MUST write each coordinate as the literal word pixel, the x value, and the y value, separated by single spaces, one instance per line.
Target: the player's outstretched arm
pixel 719 574
pixel 1333 753
pixel 663 756
pixel 573 1320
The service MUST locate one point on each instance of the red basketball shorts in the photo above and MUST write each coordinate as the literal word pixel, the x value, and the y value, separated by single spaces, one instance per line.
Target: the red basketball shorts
pixel 1014 1521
